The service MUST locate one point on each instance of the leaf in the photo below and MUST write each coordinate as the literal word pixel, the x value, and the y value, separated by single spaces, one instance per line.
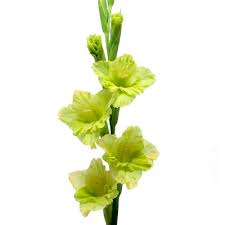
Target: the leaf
pixel 104 14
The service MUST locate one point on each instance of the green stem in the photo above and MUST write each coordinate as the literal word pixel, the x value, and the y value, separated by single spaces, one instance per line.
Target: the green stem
pixel 104 130
pixel 107 43
pixel 114 119
pixel 115 206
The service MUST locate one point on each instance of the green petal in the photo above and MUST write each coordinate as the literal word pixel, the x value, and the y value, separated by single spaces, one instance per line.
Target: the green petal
pixel 96 188
pixel 150 151
pixel 124 78
pixel 122 99
pixel 87 115
pixel 89 202
pixel 107 141
pixel 77 179
pixel 129 178
pixel 127 156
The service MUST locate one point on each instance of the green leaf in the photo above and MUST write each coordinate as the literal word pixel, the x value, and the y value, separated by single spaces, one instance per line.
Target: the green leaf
pixel 111 2
pixel 87 115
pixel 95 187
pixel 127 156
pixel 104 14
pixel 108 214
pixel 123 78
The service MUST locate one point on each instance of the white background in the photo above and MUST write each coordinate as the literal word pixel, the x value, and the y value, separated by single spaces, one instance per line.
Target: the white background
pixel 43 59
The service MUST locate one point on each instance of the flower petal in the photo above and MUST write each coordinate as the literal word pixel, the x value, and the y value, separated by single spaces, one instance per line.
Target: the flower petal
pixel 77 179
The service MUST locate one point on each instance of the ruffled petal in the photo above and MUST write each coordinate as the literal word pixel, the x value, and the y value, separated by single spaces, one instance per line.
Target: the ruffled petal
pixel 150 151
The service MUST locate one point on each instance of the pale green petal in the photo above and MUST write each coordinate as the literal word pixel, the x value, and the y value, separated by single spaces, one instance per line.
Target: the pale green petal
pixel 127 156
pixel 129 178
pixel 147 78
pixel 89 138
pixel 123 78
pixel 151 151
pixel 101 68
pixel 140 163
pixel 77 179
pixel 122 99
pixel 107 141
pixel 95 187
pixel 87 115
pixel 89 202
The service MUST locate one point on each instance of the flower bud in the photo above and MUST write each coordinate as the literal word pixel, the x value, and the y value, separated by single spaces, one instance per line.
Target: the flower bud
pixel 115 33
pixel 94 45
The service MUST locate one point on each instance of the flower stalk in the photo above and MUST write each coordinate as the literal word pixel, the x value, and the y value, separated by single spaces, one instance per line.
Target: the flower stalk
pixel 93 119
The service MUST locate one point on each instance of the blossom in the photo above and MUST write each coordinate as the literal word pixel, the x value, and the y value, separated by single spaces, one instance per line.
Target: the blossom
pixel 87 115
pixel 128 156
pixel 124 78
pixel 95 187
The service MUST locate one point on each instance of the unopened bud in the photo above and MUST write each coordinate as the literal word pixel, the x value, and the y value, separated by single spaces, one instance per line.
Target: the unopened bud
pixel 115 33
pixel 94 44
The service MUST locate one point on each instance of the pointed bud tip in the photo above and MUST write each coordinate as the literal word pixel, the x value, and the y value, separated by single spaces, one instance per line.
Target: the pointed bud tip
pixel 117 18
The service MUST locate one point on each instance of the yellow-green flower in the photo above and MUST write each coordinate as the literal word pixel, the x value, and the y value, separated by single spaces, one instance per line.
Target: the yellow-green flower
pixel 128 156
pixel 87 115
pixel 95 187
pixel 124 78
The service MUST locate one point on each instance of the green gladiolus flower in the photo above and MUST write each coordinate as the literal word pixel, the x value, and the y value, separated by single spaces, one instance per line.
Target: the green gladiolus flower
pixel 128 156
pixel 95 187
pixel 87 115
pixel 124 78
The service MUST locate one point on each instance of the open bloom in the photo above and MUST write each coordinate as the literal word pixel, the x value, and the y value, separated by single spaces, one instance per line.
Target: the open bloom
pixel 95 187
pixel 87 115
pixel 128 155
pixel 124 78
